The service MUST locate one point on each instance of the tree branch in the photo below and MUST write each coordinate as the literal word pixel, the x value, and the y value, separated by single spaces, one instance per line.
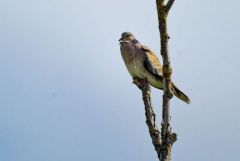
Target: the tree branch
pixel 151 121
pixel 169 5
pixel 163 140
pixel 168 138
pixel 150 115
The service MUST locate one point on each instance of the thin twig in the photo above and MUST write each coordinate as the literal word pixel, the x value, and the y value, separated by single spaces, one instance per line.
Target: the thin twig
pixel 169 5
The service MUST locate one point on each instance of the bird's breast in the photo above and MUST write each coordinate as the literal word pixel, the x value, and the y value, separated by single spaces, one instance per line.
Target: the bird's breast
pixel 133 60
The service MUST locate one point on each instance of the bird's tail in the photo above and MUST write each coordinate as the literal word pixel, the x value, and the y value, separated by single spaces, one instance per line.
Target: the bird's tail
pixel 179 94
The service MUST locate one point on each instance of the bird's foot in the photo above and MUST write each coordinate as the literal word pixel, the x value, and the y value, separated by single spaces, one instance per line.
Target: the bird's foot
pixel 141 83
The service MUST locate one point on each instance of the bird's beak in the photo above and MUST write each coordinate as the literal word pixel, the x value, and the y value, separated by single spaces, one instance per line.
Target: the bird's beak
pixel 120 39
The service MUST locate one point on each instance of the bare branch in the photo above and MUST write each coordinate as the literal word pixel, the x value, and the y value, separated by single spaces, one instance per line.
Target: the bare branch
pixel 168 138
pixel 150 115
pixel 163 140
pixel 169 5
pixel 160 141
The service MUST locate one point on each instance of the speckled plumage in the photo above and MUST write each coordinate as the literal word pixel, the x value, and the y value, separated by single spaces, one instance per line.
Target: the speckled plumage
pixel 142 63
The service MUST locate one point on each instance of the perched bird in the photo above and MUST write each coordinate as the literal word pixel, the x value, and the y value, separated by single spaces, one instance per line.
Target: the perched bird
pixel 142 63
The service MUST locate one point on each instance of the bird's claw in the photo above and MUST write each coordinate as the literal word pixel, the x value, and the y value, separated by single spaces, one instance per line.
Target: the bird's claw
pixel 141 83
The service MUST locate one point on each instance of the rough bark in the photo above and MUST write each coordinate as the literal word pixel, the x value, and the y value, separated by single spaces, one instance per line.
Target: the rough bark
pixel 156 136
pixel 149 113
pixel 166 133
pixel 164 139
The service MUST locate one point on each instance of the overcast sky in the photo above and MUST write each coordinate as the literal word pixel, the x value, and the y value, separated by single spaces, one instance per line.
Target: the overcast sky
pixel 65 94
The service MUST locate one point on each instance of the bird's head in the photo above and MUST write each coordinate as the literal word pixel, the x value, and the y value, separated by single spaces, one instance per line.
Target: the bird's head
pixel 127 37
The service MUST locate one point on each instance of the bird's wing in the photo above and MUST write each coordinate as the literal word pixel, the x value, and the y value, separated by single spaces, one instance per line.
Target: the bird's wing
pixel 151 62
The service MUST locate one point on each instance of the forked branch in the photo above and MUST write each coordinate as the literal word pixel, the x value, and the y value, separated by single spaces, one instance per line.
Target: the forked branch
pixel 163 140
pixel 169 5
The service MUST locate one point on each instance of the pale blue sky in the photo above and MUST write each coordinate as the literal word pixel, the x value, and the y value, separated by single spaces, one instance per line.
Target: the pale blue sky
pixel 67 96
